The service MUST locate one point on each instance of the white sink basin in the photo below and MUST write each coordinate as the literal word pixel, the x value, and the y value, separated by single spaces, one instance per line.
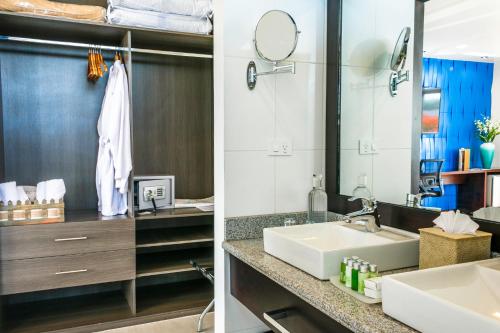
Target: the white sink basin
pixel 318 248
pixel 459 298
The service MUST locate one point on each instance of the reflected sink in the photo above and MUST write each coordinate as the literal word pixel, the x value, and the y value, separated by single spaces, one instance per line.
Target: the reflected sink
pixel 319 248
pixel 457 298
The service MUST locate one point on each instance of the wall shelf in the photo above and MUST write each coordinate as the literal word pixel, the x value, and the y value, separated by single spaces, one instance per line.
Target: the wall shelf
pixel 164 263
pixel 174 236
pixel 61 29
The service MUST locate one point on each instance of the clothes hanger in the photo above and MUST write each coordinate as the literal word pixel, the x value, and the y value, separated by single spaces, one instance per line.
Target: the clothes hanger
pixel 103 63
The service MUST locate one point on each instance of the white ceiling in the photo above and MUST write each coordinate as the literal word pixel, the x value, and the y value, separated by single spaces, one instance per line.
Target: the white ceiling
pixel 462 29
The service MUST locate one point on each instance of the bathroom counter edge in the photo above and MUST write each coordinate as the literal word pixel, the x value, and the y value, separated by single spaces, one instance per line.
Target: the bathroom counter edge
pixel 322 295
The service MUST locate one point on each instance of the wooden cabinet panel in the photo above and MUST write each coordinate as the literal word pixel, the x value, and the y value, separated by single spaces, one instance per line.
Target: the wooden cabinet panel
pixel 37 241
pixel 27 275
pixel 275 305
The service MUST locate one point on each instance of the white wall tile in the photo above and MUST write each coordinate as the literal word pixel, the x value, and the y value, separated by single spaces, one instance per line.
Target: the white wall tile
pixel 358 33
pixel 249 183
pixel 356 105
pixel 294 179
pixel 392 115
pixel 353 165
pixel 249 114
pixel 240 20
pixel 310 17
pixel 300 108
pixel 392 175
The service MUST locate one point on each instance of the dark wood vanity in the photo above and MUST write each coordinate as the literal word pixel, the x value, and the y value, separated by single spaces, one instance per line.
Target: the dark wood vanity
pixel 267 299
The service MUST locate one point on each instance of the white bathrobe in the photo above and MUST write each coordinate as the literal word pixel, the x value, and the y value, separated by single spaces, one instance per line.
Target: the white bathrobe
pixel 114 161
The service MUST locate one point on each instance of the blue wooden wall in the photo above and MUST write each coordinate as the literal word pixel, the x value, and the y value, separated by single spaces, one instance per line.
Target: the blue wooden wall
pixel 465 97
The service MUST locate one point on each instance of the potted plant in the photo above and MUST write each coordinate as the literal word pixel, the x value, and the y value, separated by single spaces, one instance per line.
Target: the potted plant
pixel 487 130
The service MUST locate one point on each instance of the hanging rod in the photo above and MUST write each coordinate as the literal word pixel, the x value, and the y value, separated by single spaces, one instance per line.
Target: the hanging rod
pixel 104 47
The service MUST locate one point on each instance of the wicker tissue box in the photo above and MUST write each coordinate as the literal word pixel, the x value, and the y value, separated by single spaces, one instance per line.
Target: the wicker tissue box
pixel 439 248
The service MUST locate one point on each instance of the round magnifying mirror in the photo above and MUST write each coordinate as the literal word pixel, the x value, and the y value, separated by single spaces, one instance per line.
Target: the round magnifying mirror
pixel 276 36
pixel 400 50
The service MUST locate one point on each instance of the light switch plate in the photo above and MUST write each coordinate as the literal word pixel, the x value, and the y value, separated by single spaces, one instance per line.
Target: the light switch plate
pixel 280 147
pixel 367 147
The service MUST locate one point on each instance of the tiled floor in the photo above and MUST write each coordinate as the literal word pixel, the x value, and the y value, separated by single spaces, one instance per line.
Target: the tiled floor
pixel 178 325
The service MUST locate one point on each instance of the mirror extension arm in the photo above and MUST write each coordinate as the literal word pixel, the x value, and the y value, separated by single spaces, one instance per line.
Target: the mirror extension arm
pixel 277 69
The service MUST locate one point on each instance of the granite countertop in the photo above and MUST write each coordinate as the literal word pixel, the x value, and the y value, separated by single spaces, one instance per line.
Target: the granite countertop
pixel 323 295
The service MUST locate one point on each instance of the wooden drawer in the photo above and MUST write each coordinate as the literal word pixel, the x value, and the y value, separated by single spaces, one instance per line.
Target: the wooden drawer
pixel 18 276
pixel 46 240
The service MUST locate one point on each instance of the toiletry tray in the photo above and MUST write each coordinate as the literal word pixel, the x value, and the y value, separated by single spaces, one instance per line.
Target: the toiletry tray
pixel 335 280
pixel 31 213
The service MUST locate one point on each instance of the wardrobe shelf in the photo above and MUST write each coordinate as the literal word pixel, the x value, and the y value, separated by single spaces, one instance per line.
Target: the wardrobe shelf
pixel 91 216
pixel 164 263
pixel 173 213
pixel 174 236
pixel 89 311
pixel 191 296
pixel 62 29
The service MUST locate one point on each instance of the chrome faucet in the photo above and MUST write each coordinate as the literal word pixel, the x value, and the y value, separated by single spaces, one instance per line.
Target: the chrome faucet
pixel 368 216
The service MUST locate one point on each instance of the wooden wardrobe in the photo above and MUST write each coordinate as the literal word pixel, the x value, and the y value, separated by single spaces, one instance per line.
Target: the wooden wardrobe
pixel 122 270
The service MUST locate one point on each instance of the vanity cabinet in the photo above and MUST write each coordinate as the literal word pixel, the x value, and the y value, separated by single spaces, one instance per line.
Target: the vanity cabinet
pixel 281 310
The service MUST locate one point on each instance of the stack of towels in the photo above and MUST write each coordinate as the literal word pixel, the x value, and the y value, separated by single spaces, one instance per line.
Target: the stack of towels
pixel 192 16
pixel 46 190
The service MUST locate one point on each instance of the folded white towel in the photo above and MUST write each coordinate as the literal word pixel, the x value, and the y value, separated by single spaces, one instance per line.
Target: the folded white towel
pixel 155 20
pixel 50 189
pixel 21 194
pixel 40 191
pixel 199 8
pixel 8 192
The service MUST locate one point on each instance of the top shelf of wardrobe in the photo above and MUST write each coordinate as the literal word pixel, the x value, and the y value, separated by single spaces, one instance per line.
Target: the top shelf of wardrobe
pixel 61 29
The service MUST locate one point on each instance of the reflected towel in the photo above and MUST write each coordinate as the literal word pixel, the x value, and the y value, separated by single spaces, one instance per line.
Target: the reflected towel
pixel 8 192
pixel 198 8
pixel 171 22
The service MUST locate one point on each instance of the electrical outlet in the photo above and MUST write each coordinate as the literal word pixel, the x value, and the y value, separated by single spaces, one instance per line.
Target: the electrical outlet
pixel 280 148
pixel 367 147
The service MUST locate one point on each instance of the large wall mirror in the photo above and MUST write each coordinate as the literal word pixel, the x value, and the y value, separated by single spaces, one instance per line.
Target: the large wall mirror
pixel 435 150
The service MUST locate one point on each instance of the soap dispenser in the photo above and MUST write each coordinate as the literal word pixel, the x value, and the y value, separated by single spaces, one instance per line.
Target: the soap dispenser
pixel 318 202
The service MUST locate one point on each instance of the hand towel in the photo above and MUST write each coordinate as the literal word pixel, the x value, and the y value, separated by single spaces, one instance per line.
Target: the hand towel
pixel 21 194
pixel 50 189
pixel 8 192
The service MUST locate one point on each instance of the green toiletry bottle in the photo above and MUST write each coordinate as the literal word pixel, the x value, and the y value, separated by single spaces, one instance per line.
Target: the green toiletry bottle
pixel 362 276
pixel 343 265
pixel 348 272
pixel 373 270
pixel 355 276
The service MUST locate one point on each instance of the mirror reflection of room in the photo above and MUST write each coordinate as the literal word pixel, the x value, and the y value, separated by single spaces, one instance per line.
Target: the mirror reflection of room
pixel 439 152
pixel 460 110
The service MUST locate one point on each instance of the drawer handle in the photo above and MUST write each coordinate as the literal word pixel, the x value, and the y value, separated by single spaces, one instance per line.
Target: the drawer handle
pixel 72 272
pixel 70 239
pixel 273 322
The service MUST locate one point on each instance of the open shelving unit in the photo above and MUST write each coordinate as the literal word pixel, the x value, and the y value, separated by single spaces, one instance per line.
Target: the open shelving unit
pixel 172 129
pixel 153 264
pixel 174 236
